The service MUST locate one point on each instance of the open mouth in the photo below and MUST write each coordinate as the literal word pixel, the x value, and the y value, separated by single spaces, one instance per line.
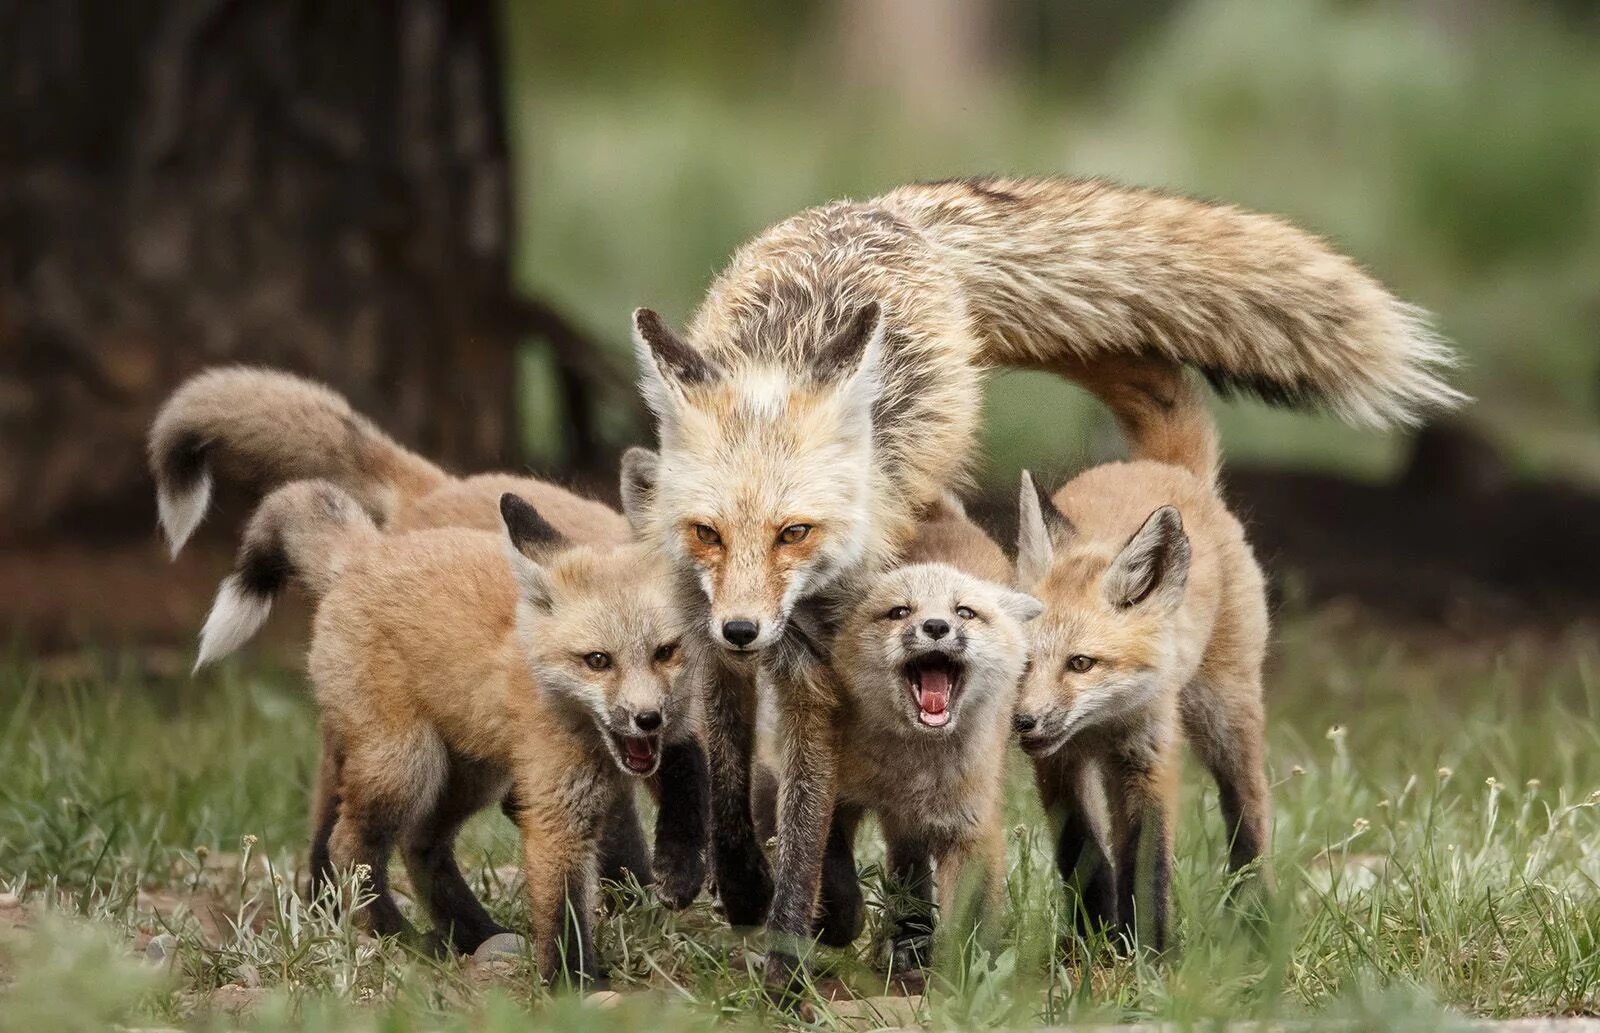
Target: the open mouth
pixel 934 681
pixel 639 752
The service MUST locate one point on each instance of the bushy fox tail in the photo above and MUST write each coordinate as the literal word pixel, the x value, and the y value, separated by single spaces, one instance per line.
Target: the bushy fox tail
pixel 1061 271
pixel 302 531
pixel 263 428
pixel 1160 408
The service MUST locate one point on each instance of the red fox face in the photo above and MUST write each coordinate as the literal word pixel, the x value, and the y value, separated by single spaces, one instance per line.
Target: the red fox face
pixel 1102 646
pixel 928 647
pixel 601 633
pixel 760 492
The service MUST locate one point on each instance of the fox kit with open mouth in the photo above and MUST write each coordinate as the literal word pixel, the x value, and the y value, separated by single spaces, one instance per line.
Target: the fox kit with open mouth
pixel 1154 628
pixel 454 669
pixel 930 658
pixel 264 427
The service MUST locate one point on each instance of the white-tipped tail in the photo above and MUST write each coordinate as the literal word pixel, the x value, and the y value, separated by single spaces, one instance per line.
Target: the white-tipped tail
pixel 236 615
pixel 180 507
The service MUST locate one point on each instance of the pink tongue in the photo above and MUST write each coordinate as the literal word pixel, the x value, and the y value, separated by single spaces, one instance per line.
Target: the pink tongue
pixel 638 749
pixel 935 695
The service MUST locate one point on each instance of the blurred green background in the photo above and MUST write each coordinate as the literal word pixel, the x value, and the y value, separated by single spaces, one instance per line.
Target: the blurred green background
pixel 1452 147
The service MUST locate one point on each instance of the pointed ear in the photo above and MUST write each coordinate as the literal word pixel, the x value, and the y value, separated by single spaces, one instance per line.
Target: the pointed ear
pixel 639 467
pixel 1153 567
pixel 1040 528
pixel 851 359
pixel 1021 606
pixel 528 537
pixel 667 365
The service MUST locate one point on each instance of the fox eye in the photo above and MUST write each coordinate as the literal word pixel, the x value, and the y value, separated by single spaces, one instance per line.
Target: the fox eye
pixel 966 613
pixel 665 652
pixel 708 534
pixel 794 534
pixel 899 613
pixel 598 661
pixel 1079 663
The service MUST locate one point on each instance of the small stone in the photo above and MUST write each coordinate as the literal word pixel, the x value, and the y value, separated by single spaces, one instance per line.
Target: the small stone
pixel 498 946
pixel 603 999
pixel 161 949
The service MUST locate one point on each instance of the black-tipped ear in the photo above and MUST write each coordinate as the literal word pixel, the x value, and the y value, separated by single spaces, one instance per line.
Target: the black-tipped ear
pixel 639 468
pixel 1153 567
pixel 1041 528
pixel 673 357
pixel 844 352
pixel 530 533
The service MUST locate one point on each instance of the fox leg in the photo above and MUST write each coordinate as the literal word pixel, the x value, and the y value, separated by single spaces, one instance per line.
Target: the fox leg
pixel 1140 788
pixel 324 813
pixel 683 822
pixel 559 827
pixel 911 895
pixel 805 805
pixel 971 882
pixel 623 850
pixel 744 879
pixel 379 803
pixel 839 909
pixel 1225 724
pixel 458 916
pixel 1080 856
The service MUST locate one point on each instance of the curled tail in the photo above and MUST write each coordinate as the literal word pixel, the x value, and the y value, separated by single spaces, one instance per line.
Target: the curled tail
pixel 303 531
pixel 1061 271
pixel 263 428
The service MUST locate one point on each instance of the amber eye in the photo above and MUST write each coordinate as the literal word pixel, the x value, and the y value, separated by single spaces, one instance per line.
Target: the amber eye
pixel 1079 663
pixel 598 661
pixel 966 613
pixel 707 534
pixel 899 613
pixel 794 534
pixel 665 652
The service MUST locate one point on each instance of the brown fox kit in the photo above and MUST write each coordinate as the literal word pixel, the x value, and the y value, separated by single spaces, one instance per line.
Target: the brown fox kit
pixel 827 392
pixel 455 669
pixel 264 427
pixel 930 659
pixel 1154 628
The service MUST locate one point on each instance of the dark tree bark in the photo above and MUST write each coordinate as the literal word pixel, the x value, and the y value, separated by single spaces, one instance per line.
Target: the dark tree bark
pixel 317 186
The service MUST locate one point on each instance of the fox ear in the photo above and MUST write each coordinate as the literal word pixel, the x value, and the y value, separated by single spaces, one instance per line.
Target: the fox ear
pixel 1040 528
pixel 851 360
pixel 528 535
pixel 1154 566
pixel 639 468
pixel 1021 606
pixel 667 366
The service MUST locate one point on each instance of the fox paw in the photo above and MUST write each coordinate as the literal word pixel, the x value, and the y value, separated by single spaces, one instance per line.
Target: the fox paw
pixel 680 875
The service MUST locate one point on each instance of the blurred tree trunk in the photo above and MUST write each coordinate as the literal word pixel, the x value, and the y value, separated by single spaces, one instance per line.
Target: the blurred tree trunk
pixel 317 186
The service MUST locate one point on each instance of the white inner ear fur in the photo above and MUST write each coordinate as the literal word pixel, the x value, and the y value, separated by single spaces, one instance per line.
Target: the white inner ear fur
pixel 1034 548
pixel 533 581
pixel 860 391
pixel 661 392
pixel 1153 567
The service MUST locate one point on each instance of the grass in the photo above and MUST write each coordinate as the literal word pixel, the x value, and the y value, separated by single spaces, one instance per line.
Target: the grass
pixel 1437 845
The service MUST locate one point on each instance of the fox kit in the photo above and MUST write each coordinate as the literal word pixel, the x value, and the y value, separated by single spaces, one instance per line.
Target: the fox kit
pixel 455 669
pixel 264 427
pixel 827 392
pixel 930 658
pixel 1154 627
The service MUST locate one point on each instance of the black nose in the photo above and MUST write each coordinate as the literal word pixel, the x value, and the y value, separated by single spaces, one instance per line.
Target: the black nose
pixel 647 720
pixel 933 627
pixel 1024 723
pixel 740 633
